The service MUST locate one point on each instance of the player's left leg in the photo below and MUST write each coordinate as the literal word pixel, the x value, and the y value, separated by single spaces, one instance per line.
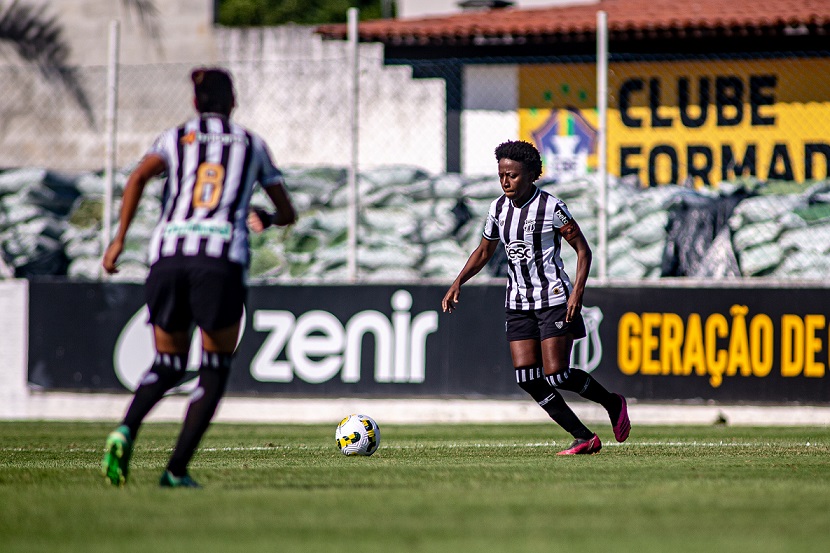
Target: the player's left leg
pixel 167 371
pixel 214 370
pixel 556 353
pixel 217 298
pixel 530 377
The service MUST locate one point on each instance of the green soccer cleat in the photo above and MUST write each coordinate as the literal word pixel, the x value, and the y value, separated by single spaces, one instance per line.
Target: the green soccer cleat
pixel 170 481
pixel 116 463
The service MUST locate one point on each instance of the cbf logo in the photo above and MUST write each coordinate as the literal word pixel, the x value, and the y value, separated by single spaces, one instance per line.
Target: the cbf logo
pixel 587 352
pixel 566 140
pixel 519 251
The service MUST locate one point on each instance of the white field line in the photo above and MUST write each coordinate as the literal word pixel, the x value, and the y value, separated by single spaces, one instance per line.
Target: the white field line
pixel 690 445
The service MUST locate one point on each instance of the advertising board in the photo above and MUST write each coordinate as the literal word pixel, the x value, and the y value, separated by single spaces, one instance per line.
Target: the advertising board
pixel 727 344
pixel 671 122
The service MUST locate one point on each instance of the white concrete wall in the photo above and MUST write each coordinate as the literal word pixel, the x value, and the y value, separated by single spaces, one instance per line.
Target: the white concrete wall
pixel 481 132
pixel 292 89
pixel 184 31
pixel 43 123
pixel 491 98
pixel 14 337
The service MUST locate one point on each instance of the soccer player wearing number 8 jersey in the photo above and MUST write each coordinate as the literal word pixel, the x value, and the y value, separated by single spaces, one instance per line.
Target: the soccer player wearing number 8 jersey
pixel 198 261
pixel 543 306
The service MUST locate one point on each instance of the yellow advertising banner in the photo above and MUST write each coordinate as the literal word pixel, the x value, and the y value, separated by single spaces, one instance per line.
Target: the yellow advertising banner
pixel 670 122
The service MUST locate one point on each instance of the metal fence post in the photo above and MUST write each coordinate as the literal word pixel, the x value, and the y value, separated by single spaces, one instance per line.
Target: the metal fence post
pixel 602 168
pixel 353 137
pixel 111 125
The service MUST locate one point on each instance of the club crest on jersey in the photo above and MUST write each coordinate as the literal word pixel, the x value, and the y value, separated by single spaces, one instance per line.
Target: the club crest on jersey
pixel 530 226
pixel 519 251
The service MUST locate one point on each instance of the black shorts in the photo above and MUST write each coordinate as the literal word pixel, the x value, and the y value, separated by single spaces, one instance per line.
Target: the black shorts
pixel 539 324
pixel 180 293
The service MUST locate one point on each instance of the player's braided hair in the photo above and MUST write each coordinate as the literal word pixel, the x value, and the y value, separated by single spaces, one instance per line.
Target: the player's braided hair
pixel 523 152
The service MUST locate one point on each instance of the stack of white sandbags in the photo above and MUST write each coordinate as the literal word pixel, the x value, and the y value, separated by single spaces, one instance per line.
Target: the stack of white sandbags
pixel 414 226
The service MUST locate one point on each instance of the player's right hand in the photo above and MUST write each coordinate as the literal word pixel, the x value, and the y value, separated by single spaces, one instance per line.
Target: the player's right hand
pixel 258 219
pixel 450 301
pixel 111 256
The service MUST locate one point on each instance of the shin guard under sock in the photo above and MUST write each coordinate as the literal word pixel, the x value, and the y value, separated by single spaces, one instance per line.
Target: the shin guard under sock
pixel 167 371
pixel 580 382
pixel 532 381
pixel 213 377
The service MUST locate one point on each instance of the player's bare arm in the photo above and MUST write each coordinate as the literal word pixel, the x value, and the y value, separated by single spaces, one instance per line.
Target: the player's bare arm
pixel 285 214
pixel 475 263
pixel 152 165
pixel 573 234
pixel 260 219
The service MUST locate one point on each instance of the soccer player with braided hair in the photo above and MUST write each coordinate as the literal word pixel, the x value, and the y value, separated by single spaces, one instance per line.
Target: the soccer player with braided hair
pixel 199 257
pixel 543 306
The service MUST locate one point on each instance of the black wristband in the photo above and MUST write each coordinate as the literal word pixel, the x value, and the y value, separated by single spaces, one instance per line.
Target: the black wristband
pixel 266 218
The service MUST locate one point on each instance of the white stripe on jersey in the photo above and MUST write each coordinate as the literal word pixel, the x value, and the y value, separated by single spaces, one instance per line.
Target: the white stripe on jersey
pixel 209 225
pixel 184 186
pixel 533 243
pixel 236 159
pixel 166 142
pixel 213 154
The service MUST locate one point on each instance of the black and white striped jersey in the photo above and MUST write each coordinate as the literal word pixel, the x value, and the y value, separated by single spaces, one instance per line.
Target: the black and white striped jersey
pixel 533 243
pixel 213 165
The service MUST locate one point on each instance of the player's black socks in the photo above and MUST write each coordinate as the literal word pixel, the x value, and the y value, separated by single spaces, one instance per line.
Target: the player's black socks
pixel 167 371
pixel 532 381
pixel 213 377
pixel 577 380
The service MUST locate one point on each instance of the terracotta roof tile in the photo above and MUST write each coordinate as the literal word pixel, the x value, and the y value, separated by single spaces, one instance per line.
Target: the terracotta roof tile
pixel 623 15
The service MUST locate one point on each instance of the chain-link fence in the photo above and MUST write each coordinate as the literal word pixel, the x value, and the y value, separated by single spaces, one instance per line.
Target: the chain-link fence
pixel 717 167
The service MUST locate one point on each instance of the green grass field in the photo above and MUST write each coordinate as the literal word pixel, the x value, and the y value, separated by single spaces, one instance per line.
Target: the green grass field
pixel 434 488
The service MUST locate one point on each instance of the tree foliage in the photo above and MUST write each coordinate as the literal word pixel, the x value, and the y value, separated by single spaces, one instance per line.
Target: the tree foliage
pixel 38 39
pixel 255 13
pixel 148 14
pixel 34 35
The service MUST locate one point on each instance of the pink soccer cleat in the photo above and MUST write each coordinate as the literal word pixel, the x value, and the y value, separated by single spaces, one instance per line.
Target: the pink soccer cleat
pixel 623 424
pixel 583 447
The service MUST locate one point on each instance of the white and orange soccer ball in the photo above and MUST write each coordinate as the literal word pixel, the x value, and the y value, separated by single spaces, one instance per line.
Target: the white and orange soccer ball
pixel 357 435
